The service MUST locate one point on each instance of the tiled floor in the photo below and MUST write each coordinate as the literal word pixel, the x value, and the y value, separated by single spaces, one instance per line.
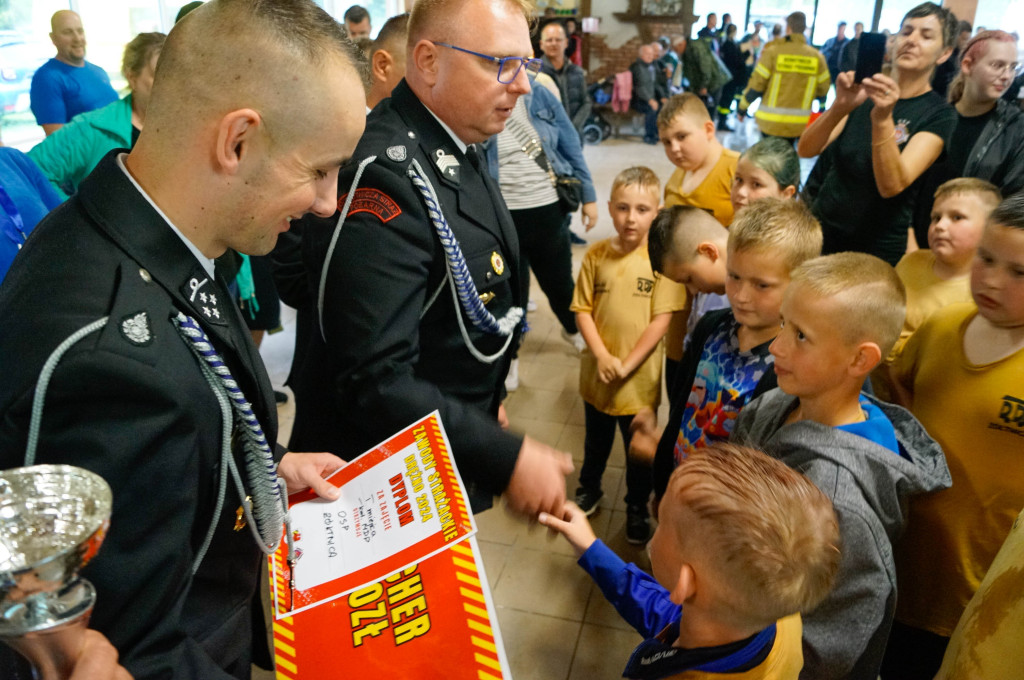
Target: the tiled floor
pixel 554 621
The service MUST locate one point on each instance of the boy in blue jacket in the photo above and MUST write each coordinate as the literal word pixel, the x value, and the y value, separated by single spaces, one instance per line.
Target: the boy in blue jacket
pixel 743 546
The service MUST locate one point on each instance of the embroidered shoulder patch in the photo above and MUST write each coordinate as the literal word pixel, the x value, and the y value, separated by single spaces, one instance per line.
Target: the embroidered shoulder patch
pixel 374 202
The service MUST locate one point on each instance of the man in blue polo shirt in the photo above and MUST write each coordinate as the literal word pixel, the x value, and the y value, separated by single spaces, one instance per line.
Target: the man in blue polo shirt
pixel 68 85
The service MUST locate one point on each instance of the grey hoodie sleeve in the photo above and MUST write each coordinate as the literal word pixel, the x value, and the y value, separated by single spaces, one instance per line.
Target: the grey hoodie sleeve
pixel 845 636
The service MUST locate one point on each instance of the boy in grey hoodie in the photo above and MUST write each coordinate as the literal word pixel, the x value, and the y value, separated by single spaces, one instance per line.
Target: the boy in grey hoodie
pixel 840 316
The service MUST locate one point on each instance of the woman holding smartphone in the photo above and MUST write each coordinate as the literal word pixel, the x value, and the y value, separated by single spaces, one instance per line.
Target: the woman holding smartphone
pixel 988 142
pixel 879 136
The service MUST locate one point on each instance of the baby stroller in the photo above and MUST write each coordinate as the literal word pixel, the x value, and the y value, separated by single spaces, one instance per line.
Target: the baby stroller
pixel 595 128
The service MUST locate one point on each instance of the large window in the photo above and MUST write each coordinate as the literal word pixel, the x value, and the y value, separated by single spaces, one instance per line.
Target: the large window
pixel 736 8
pixel 109 24
pixel 831 13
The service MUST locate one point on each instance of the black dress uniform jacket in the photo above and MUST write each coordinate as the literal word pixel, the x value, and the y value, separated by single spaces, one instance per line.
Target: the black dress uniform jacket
pixel 129 402
pixel 394 351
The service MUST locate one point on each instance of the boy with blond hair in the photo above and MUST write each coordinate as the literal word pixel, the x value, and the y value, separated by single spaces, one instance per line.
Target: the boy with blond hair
pixel 745 543
pixel 840 316
pixel 622 310
pixel 937 277
pixel 960 375
pixel 727 362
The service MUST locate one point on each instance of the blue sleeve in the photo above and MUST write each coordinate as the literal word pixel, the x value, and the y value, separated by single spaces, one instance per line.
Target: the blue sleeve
pixel 49 196
pixel 638 598
pixel 569 146
pixel 46 99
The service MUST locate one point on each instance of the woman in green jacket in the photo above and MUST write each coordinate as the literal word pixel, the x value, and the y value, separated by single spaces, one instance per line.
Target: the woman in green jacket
pixel 69 154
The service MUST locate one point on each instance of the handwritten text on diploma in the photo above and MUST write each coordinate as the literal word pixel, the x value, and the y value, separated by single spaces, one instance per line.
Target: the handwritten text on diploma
pixel 403 502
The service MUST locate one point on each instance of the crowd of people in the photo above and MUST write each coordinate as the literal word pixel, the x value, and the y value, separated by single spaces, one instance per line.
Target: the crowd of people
pixel 837 488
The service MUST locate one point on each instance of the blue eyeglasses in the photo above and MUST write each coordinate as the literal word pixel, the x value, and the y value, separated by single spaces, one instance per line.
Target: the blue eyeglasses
pixel 508 67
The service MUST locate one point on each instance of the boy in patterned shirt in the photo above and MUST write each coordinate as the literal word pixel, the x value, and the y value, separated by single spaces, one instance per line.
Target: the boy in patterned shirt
pixel 727 362
pixel 622 309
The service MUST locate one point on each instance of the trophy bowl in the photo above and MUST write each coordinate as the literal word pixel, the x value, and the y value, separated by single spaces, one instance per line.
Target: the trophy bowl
pixel 53 519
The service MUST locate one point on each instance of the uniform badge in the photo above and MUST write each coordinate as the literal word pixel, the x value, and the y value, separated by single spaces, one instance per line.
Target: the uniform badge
pixel 396 153
pixel 200 292
pixel 497 263
pixel 447 164
pixel 135 328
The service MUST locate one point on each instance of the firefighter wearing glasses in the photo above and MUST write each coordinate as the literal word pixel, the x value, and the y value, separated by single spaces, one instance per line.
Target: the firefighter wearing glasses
pixel 416 277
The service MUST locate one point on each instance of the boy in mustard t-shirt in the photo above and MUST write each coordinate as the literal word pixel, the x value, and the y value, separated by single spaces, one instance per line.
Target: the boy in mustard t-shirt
pixel 743 547
pixel 938 276
pixel 705 168
pixel 622 310
pixel 961 374
pixel 703 179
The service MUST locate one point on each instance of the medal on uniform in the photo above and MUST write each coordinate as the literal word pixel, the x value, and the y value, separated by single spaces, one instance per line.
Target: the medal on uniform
pixel 497 263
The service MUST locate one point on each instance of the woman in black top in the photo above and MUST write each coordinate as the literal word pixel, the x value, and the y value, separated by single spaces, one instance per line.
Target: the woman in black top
pixel 988 142
pixel 879 136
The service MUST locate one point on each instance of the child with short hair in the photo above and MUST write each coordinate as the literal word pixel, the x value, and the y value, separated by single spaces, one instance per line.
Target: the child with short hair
pixel 768 169
pixel 727 361
pixel 746 544
pixel 705 168
pixel 840 316
pixel 703 179
pixel 622 309
pixel 938 276
pixel 960 375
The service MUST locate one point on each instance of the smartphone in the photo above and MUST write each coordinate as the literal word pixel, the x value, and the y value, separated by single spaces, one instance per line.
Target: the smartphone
pixel 870 55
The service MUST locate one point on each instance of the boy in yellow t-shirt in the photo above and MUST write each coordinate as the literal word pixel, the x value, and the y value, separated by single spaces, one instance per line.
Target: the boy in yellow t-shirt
pixel 960 375
pixel 622 310
pixel 705 168
pixel 745 543
pixel 703 179
pixel 938 277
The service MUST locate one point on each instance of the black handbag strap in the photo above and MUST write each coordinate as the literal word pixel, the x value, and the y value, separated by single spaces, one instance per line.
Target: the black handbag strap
pixel 531 146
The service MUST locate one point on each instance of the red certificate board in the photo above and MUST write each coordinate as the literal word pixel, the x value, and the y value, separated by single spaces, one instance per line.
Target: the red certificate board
pixel 401 502
pixel 434 619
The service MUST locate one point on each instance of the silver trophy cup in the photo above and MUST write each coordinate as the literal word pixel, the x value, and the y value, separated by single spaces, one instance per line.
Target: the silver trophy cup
pixel 53 519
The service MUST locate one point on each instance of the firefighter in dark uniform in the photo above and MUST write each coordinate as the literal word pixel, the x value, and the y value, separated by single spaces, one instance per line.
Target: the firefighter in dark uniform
pixel 417 306
pixel 123 275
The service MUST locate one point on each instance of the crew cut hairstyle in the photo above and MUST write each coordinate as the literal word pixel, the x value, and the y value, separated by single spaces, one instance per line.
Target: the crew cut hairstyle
pixel 212 56
pixel 1009 213
pixel 768 532
pixel 778 226
pixel 394 32
pixel 356 14
pixel 986 191
pixel 948 21
pixel 797 22
pixel 677 231
pixel 435 19
pixel 679 104
pixel 871 300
